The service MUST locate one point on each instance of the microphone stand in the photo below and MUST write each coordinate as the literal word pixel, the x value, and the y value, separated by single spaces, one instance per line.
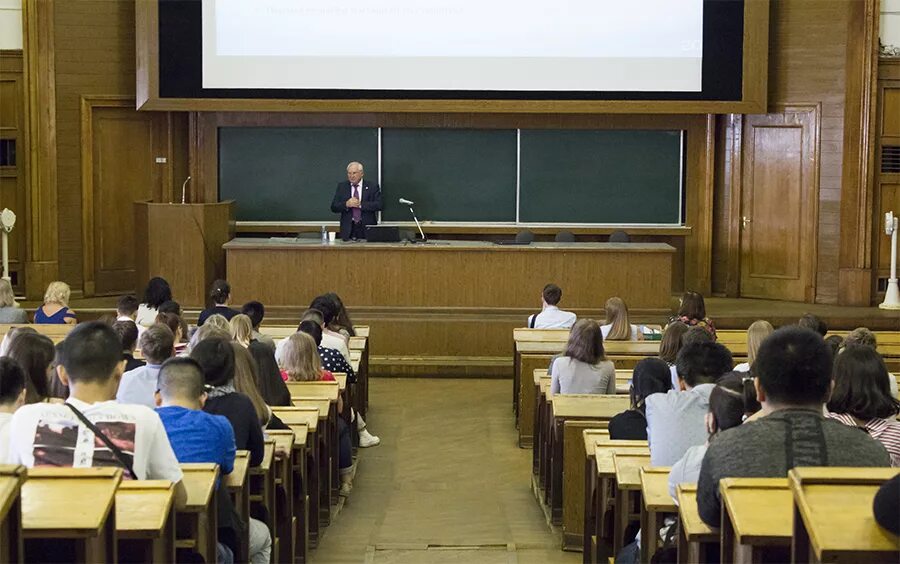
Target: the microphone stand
pixel 422 233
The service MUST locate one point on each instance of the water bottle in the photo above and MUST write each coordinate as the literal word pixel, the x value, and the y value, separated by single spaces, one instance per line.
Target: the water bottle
pixel 324 235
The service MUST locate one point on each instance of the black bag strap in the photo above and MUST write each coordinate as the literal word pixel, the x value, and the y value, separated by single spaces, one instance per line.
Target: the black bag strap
pixel 117 452
pixel 532 321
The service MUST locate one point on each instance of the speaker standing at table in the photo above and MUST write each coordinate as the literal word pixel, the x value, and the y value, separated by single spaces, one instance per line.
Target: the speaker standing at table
pixel 358 201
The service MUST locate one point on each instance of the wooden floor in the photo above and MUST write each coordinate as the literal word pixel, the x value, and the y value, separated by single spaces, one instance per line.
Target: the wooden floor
pixel 447 484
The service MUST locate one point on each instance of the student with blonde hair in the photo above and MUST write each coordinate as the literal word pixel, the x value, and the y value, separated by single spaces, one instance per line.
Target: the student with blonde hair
pixel 10 312
pixel 617 327
pixel 756 334
pixel 55 309
pixel 241 329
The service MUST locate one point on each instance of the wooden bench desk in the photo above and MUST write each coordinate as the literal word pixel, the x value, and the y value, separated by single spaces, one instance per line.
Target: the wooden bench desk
pixel 604 491
pixel 306 420
pixel 70 504
pixel 655 502
pixel 197 523
pixel 56 332
pixel 361 330
pixel 261 481
pixel 145 520
pixel 328 461
pixel 11 479
pixel 293 525
pixel 529 406
pixel 833 519
pixel 598 409
pixel 357 343
pixel 756 518
pixel 695 538
pixel 238 484
pixel 628 494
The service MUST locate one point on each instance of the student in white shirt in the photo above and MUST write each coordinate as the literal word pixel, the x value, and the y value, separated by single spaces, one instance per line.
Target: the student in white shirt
pixel 47 434
pixel 330 339
pixel 756 334
pixel 12 397
pixel 157 293
pixel 551 317
pixel 617 327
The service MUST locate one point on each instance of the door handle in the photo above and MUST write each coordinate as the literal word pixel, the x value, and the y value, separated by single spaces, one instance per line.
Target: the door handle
pixel 744 221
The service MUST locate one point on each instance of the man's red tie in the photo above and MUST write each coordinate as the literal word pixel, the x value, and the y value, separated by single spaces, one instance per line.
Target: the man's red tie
pixel 357 212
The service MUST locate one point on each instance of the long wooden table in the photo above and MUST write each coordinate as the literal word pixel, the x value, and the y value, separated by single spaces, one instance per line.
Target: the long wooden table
pixel 145 520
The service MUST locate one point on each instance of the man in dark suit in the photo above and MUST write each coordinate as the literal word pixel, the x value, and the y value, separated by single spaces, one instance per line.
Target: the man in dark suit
pixel 358 201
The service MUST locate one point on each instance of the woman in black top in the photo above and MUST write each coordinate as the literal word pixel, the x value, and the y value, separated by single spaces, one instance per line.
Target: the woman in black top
pixel 216 357
pixel 220 294
pixel 651 376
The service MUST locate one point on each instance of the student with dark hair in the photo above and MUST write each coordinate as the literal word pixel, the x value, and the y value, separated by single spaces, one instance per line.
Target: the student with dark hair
pixel 886 505
pixel 861 397
pixel 197 436
pixel 175 325
pixel 256 312
pixel 331 359
pixel 650 376
pixel 330 339
pixel 341 322
pixel 583 368
pixel 692 312
pixel 127 331
pixel 56 389
pixel 216 357
pixel 138 385
pixel 813 323
pixel 669 346
pixel 696 335
pixel 793 381
pixel 126 436
pixel 731 401
pixel 34 353
pixel 12 397
pixel 550 316
pixel 157 293
pixel 676 419
pixel 127 308
pixel 220 296
pixel 835 343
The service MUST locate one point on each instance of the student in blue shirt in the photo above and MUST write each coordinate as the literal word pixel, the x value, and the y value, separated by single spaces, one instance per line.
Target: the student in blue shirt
pixel 198 436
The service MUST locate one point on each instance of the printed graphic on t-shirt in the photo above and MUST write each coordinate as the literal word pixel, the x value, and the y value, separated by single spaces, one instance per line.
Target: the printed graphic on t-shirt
pixel 66 443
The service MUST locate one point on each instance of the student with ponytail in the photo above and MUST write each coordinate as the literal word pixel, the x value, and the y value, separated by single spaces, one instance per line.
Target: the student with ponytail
pixel 220 295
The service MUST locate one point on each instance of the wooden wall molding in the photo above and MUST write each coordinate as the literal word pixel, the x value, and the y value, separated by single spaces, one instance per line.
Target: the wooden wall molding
pixel 42 213
pixel 855 283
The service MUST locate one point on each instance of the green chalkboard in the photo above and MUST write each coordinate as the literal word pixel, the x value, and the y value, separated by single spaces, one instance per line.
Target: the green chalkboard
pixel 290 173
pixel 609 176
pixel 451 174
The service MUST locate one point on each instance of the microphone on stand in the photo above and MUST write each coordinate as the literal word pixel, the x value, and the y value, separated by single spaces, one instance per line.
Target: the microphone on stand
pixel 410 203
pixel 184 189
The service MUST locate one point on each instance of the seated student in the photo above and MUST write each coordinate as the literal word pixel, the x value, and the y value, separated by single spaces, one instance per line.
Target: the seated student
pixel 730 403
pixel 216 357
pixel 863 337
pixel 138 385
pixel 886 505
pixel 156 293
pixel 209 330
pixel 197 436
pixel 127 308
pixel 756 333
pixel 220 294
pixel 34 353
pixel 256 312
pixel 55 309
pixel 171 306
pixel 793 380
pixel 10 312
pixel 650 376
pixel 861 397
pixel 91 368
pixel 550 316
pixel 11 334
pixel 330 340
pixel 56 390
pixel 669 346
pixel 245 378
pixel 175 325
pixel 583 368
pixel 676 419
pixel 12 397
pixel 617 327
pixel 128 333
pixel 241 329
pixel 329 310
pixel 331 359
pixel 341 322
pixel 813 323
pixel 835 343
pixel 692 312
pixel 302 365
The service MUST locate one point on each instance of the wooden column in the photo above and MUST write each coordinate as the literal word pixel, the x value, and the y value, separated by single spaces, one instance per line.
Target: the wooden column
pixel 41 216
pixel 855 282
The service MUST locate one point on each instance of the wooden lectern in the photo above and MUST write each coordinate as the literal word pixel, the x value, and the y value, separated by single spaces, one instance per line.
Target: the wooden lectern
pixel 183 244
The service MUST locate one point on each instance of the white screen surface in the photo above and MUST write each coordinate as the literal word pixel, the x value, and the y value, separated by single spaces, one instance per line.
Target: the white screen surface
pixel 478 45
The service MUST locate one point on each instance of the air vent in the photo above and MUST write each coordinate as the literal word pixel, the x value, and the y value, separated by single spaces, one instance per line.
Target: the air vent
pixel 890 159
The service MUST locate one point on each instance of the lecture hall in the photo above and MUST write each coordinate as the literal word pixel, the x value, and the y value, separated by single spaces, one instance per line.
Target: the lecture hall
pixel 463 281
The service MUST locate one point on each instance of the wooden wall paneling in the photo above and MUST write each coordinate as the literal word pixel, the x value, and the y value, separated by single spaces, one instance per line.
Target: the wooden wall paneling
pixel 12 178
pixel 734 179
pixel 41 217
pixel 118 166
pixel 857 186
pixel 887 183
pixel 779 197
pixel 699 205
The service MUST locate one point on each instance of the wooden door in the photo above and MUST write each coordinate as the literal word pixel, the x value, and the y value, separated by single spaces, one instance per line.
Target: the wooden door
pixel 779 195
pixel 13 158
pixel 120 148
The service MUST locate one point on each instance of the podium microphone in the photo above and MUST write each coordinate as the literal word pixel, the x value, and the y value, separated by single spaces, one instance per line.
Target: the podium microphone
pixel 184 188
pixel 410 203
